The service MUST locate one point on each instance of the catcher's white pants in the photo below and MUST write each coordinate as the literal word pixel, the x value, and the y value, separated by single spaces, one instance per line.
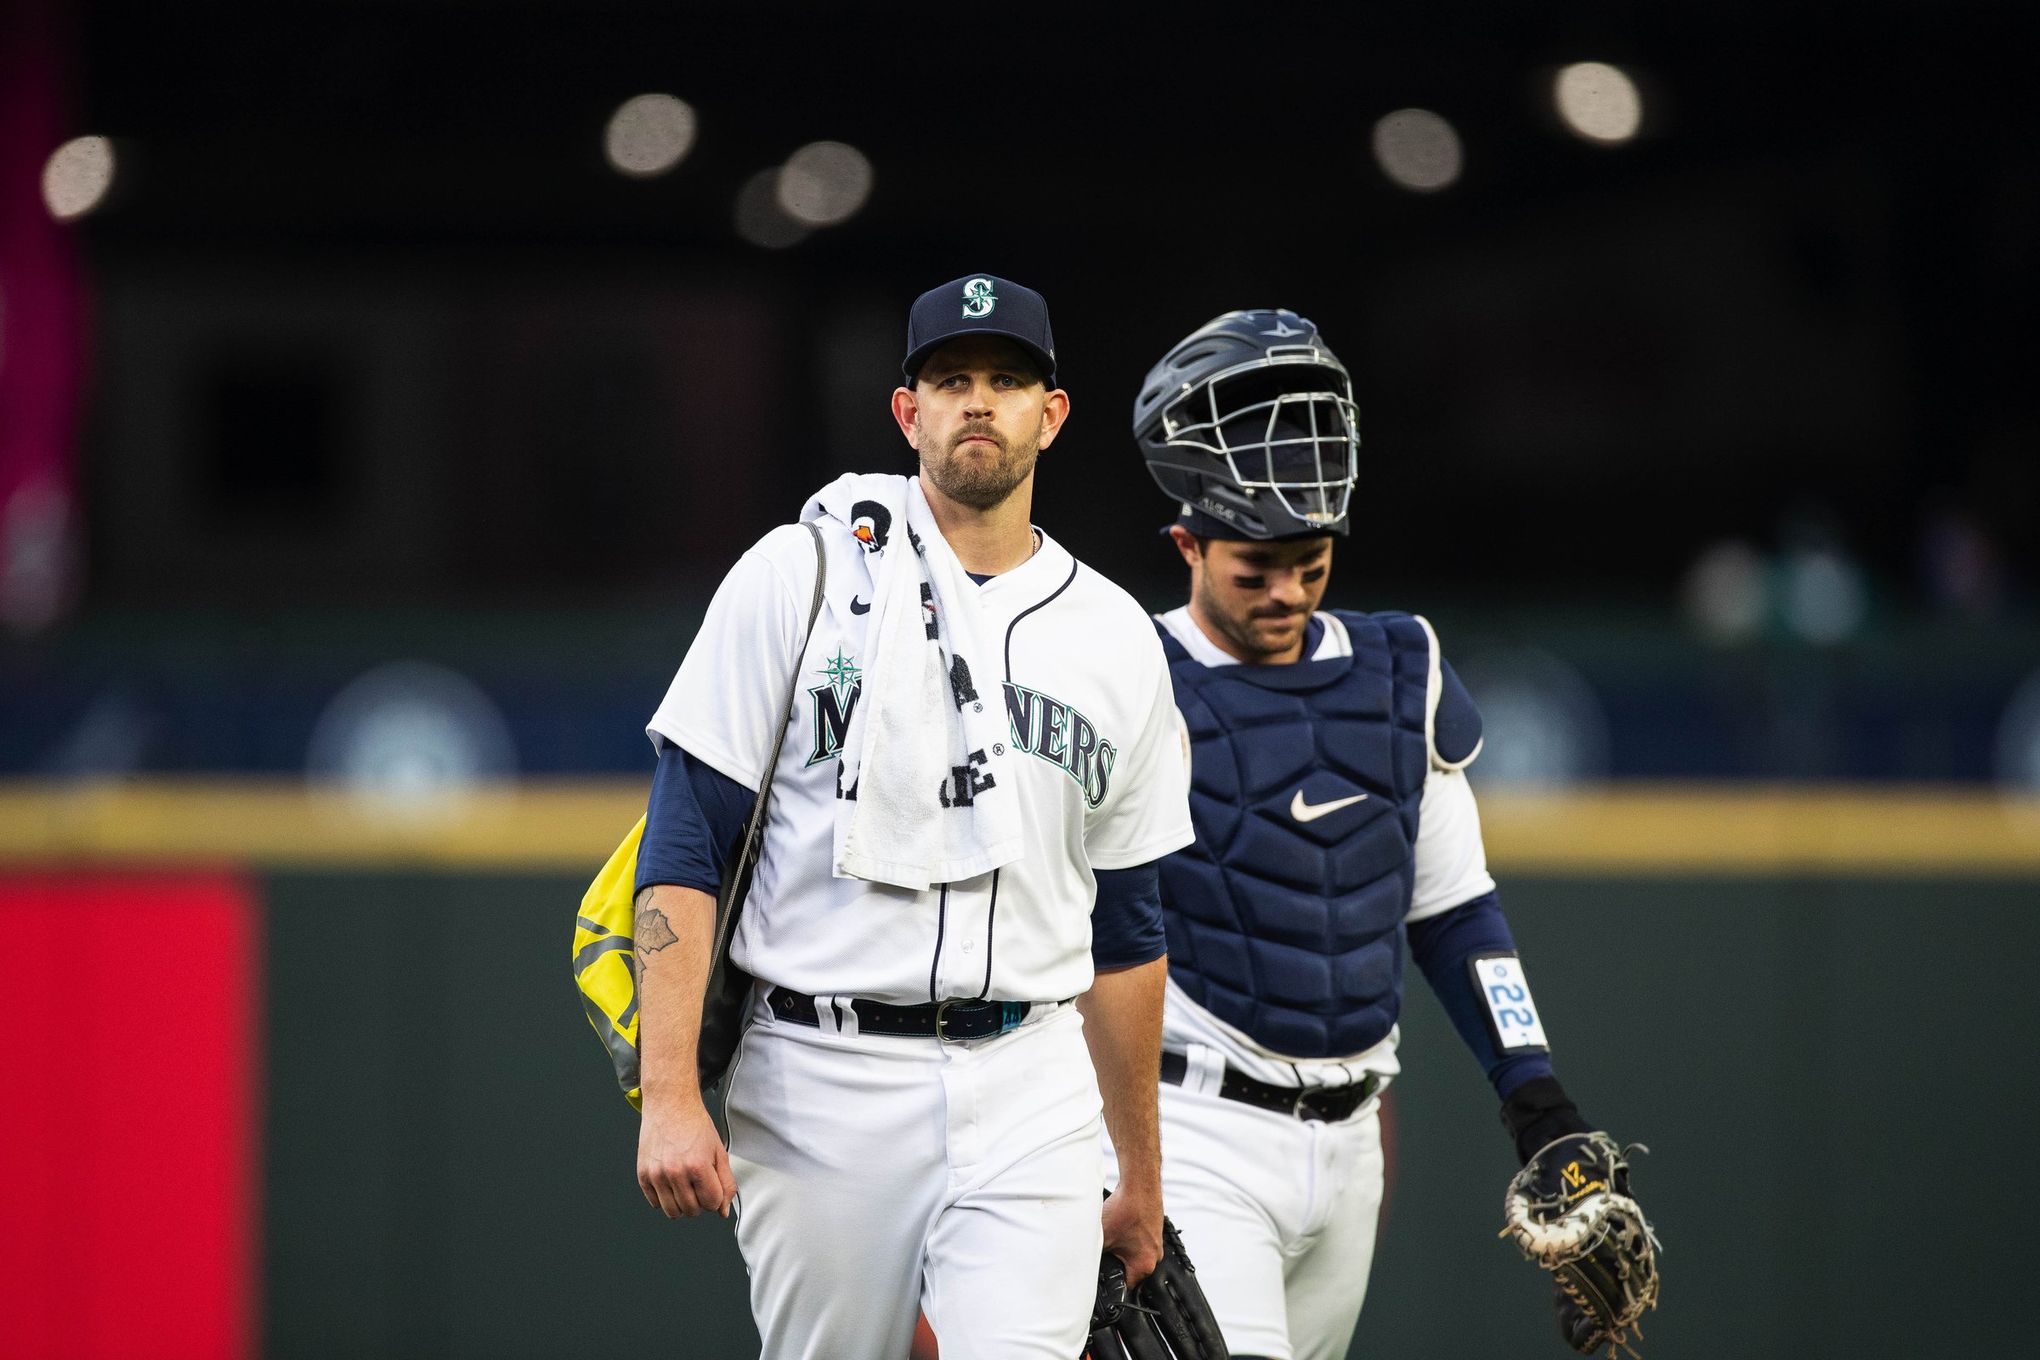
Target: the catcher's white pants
pixel 1278 1215
pixel 878 1175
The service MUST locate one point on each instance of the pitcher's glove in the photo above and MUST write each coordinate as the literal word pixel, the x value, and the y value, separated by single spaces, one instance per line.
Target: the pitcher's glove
pixel 1164 1318
pixel 1570 1211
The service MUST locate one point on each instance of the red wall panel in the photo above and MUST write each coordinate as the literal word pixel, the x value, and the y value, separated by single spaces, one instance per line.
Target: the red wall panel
pixel 129 1054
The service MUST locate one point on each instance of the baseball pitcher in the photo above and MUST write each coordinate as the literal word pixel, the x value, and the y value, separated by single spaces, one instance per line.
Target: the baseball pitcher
pixel 954 924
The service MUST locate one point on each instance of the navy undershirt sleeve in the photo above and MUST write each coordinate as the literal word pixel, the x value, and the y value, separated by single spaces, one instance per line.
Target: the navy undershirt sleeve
pixel 1442 945
pixel 693 823
pixel 1126 921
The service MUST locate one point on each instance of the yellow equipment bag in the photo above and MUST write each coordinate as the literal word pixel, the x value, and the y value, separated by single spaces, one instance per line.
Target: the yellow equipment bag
pixel 605 961
pixel 605 952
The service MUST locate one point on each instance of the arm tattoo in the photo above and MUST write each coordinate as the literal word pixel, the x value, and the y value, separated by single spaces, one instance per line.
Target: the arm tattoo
pixel 654 932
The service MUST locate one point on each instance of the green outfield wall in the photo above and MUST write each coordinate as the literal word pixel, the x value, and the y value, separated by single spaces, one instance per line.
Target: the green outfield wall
pixel 1833 1073
pixel 324 1058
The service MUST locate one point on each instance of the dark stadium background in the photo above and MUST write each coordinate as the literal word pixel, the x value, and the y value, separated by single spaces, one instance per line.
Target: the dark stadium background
pixel 397 441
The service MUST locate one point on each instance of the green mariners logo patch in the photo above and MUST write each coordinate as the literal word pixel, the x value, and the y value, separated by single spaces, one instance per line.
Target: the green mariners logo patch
pixel 831 704
pixel 978 298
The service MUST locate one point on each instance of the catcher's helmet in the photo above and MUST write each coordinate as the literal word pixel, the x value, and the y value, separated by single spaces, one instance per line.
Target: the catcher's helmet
pixel 1250 421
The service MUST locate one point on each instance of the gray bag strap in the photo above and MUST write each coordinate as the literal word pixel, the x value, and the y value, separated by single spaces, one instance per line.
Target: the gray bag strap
pixel 739 877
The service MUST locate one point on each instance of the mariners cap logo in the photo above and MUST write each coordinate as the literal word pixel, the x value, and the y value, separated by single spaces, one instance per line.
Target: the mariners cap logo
pixel 978 298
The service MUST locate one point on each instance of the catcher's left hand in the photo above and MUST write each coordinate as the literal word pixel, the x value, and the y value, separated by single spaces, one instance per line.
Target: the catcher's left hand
pixel 1165 1317
pixel 1571 1212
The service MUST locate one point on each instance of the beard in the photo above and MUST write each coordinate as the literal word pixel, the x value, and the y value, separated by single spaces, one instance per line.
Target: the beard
pixel 977 479
pixel 1249 632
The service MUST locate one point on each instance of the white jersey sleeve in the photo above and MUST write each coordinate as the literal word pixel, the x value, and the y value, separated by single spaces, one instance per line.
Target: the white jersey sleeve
pixel 723 706
pixel 1451 860
pixel 1147 813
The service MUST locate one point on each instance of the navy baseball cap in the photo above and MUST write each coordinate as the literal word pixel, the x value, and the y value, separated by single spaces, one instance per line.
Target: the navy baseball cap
pixel 979 304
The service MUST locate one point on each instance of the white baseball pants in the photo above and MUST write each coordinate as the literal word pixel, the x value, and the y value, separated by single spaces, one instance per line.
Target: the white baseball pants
pixel 881 1175
pixel 1278 1215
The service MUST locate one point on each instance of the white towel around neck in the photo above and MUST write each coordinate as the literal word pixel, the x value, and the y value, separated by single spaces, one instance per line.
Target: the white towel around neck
pixel 925 796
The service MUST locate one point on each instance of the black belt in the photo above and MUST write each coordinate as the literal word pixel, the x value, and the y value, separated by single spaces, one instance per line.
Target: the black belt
pixel 1327 1103
pixel 952 1019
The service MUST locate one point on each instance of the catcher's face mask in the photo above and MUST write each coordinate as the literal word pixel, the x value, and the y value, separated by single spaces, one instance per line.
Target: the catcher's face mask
pixel 1283 425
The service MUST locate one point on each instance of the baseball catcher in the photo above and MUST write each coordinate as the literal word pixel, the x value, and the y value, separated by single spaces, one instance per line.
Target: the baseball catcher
pixel 1338 851
pixel 1571 1212
pixel 1164 1317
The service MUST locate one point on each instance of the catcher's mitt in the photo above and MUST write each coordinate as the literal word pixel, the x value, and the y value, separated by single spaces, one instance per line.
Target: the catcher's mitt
pixel 1166 1316
pixel 1570 1211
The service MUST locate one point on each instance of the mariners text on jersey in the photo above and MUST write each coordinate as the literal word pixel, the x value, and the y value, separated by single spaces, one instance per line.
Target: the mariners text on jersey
pixel 1041 725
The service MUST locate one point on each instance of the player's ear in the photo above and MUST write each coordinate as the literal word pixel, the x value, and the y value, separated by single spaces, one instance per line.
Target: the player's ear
pixel 906 410
pixel 1055 410
pixel 1187 544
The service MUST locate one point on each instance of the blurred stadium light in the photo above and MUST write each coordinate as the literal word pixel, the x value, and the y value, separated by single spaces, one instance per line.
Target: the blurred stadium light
pixel 1418 150
pixel 77 176
pixel 1825 598
pixel 649 134
pixel 37 555
pixel 1598 102
pixel 824 183
pixel 409 740
pixel 759 217
pixel 1542 724
pixel 1727 592
pixel 2018 739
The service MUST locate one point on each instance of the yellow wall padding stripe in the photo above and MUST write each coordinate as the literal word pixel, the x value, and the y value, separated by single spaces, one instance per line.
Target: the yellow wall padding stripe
pixel 565 825
pixel 1763 829
pixel 572 825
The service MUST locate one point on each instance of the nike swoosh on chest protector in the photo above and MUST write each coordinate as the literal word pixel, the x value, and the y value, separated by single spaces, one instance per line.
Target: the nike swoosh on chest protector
pixel 1310 812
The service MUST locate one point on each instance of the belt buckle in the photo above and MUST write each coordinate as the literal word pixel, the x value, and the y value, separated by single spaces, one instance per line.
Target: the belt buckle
pixel 1010 1014
pixel 942 1019
pixel 1306 1108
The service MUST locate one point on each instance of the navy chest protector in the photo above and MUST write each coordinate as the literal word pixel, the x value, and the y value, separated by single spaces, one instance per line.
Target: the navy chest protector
pixel 1285 917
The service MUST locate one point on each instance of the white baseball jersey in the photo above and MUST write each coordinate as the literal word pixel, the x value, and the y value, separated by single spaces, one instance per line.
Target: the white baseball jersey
pixel 1103 783
pixel 1451 869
